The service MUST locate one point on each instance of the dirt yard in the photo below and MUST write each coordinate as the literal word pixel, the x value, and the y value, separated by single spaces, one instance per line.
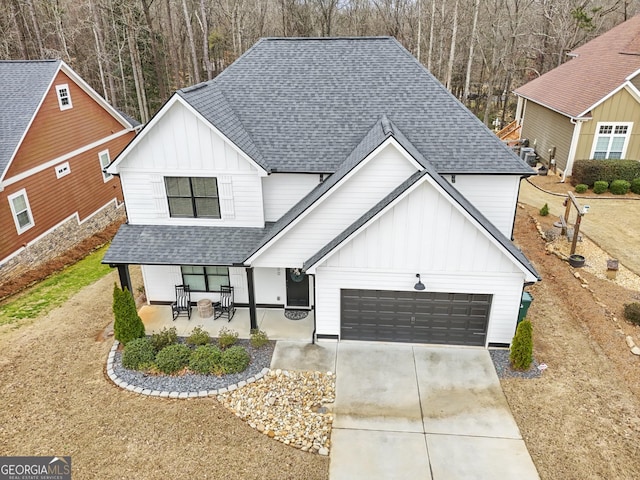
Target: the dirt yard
pixel 580 419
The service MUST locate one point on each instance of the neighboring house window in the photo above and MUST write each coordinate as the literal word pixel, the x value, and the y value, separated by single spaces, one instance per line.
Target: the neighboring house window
pixel 205 279
pixel 63 169
pixel 611 140
pixel 21 211
pixel 104 163
pixel 64 96
pixel 193 197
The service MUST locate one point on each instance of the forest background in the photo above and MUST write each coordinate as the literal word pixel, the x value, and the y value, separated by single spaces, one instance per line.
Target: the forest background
pixel 137 52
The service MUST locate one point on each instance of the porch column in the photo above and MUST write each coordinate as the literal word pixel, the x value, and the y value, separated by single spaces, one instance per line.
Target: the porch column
pixel 125 278
pixel 252 299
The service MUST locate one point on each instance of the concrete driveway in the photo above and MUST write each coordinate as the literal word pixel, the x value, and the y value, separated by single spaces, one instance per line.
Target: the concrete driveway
pixel 611 223
pixel 417 412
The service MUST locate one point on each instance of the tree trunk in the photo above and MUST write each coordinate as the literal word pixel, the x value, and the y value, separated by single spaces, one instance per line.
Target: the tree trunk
pixel 452 50
pixel 172 47
pixel 192 43
pixel 472 44
pixel 36 28
pixel 157 64
pixel 433 21
pixel 205 41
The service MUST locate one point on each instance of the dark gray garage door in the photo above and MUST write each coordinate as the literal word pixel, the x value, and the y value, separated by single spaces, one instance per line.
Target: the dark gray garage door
pixel 416 317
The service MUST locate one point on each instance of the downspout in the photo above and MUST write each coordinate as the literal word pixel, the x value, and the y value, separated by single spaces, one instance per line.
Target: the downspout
pixel 315 310
pixel 574 146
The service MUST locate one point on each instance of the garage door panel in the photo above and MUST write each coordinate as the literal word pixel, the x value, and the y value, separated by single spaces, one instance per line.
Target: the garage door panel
pixel 416 317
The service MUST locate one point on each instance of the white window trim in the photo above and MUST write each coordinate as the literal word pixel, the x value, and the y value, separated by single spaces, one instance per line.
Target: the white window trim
pixel 596 135
pixel 105 175
pixel 64 86
pixel 63 170
pixel 11 197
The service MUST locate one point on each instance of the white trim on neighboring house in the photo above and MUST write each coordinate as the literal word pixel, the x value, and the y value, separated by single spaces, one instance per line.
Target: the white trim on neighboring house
pixel 520 109
pixel 63 95
pixel 614 125
pixel 14 213
pixel 605 98
pixel 319 201
pixel 62 158
pixel 44 234
pixel 633 91
pixel 575 138
pixel 106 176
pixel 529 277
pixel 113 168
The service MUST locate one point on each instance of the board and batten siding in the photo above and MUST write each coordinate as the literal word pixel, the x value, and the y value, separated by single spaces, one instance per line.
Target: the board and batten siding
pixel 269 285
pixel 338 209
pixel 505 288
pixel 180 144
pixel 621 107
pixel 546 129
pixel 282 191
pixel 423 233
pixel 496 197
pixel 160 282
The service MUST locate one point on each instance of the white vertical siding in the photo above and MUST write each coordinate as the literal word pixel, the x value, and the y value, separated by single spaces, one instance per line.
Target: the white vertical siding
pixel 282 191
pixel 388 169
pixel 182 145
pixel 160 282
pixel 495 196
pixel 506 290
pixel 269 285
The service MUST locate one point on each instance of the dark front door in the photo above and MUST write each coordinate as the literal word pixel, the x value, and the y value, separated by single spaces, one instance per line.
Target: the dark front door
pixel 415 317
pixel 297 288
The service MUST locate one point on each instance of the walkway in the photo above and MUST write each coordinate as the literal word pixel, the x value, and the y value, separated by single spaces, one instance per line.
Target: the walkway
pixel 610 223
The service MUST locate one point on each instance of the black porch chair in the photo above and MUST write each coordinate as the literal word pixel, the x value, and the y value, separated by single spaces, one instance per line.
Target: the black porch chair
pixel 183 302
pixel 226 304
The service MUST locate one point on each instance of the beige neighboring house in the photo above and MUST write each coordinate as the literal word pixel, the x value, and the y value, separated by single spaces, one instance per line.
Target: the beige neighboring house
pixel 588 107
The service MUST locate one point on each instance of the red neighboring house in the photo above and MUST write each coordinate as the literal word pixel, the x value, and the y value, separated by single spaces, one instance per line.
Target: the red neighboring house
pixel 56 136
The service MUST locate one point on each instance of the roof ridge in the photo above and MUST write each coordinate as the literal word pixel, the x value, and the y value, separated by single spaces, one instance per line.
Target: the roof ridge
pixel 348 37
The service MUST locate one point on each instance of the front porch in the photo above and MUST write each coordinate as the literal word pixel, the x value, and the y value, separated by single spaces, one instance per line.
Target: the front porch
pixel 270 320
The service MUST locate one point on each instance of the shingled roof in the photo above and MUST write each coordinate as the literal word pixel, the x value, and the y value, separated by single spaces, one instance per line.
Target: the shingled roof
pixel 599 67
pixel 23 85
pixel 302 105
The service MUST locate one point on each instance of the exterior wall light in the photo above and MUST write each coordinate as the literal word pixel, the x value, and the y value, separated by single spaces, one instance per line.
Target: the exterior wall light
pixel 419 285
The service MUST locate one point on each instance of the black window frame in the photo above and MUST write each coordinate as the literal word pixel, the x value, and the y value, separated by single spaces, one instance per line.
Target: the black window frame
pixel 205 274
pixel 193 198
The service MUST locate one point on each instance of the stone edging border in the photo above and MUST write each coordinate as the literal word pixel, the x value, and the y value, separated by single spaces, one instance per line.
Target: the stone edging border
pixel 166 394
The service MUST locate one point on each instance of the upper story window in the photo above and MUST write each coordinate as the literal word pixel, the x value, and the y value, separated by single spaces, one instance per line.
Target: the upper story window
pixel 21 211
pixel 64 96
pixel 193 197
pixel 611 140
pixel 105 160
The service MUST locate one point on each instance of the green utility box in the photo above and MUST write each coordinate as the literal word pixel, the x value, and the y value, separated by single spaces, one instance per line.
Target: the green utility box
pixel 524 305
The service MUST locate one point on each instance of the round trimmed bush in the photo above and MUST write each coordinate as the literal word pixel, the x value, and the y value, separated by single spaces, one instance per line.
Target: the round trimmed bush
pixel 137 352
pixel 205 359
pixel 173 358
pixel 619 187
pixel 632 312
pixel 164 338
pixel 600 186
pixel 635 186
pixel 581 188
pixel 198 336
pixel 235 359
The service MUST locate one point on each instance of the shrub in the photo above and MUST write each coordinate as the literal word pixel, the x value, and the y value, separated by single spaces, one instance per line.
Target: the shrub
pixel 235 360
pixel 544 211
pixel 127 325
pixel 589 171
pixel 149 367
pixel 632 312
pixel 521 354
pixel 635 185
pixel 227 337
pixel 600 186
pixel 173 358
pixel 166 337
pixel 619 187
pixel 259 338
pixel 198 336
pixel 205 359
pixel 581 188
pixel 137 352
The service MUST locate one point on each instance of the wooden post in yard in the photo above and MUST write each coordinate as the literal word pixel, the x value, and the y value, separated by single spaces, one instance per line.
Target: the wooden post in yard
pixel 576 227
